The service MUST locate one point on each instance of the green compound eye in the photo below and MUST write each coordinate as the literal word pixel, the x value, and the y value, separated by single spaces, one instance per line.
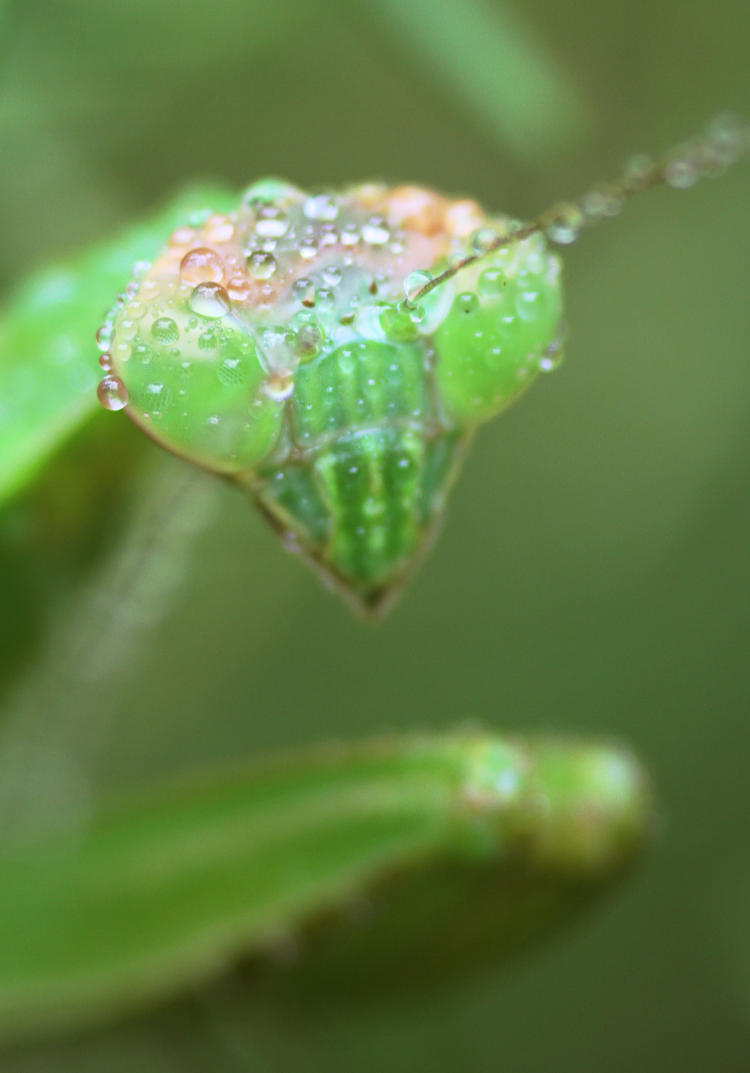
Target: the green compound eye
pixel 501 330
pixel 285 344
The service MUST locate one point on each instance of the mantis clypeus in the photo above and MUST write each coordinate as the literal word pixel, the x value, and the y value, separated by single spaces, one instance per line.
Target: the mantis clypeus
pixel 332 354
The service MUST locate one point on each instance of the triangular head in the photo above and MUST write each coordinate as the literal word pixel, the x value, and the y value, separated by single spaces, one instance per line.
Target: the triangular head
pixel 287 346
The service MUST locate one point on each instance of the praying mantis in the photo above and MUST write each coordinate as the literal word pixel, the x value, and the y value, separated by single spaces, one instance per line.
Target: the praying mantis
pixel 332 354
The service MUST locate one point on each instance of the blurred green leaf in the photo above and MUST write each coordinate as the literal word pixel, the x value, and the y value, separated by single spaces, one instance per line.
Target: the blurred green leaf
pixel 487 59
pixel 476 845
pixel 48 357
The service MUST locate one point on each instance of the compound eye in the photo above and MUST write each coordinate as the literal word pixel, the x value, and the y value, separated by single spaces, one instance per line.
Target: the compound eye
pixel 502 329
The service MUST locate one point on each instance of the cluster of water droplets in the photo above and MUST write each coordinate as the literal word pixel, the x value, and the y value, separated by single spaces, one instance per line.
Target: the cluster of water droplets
pixel 260 292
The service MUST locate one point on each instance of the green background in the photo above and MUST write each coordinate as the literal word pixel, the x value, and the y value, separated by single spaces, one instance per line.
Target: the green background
pixel 592 575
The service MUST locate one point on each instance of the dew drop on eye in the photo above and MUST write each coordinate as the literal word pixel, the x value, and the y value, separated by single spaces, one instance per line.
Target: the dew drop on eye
pixel 261 265
pixel 112 393
pixel 201 265
pixel 210 300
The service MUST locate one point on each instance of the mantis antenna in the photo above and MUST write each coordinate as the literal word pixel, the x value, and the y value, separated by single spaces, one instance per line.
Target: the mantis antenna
pixel 725 141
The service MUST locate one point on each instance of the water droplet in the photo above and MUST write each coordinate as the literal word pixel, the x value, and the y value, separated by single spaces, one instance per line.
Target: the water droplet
pixel 149 290
pixel 325 298
pixel 328 236
pixel 482 241
pixel 414 283
pixel 239 288
pixel 218 229
pixel 309 339
pixel 467 302
pixel 112 393
pixel 350 235
pixel 728 137
pixel 121 351
pixel 638 172
pixel 279 386
pixel 308 248
pixel 201 265
pixel 680 173
pixel 165 330
pixel 304 291
pixel 332 275
pixel 208 340
pixel 210 300
pixel 261 265
pixel 603 200
pixel 417 313
pixel 181 236
pixel 272 222
pixel 105 360
pixel 563 223
pixel 552 357
pixel 375 232
pixel 321 207
pixel 127 329
pixel 492 282
pixel 276 346
pixel 104 337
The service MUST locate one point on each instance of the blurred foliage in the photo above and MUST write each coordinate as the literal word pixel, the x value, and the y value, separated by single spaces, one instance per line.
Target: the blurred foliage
pixel 50 318
pixel 360 866
pixel 592 573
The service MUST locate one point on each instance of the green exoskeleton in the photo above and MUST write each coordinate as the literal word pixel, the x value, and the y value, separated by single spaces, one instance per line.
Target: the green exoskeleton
pixel 333 353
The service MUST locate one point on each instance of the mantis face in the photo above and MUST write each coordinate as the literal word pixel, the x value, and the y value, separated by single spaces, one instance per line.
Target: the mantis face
pixel 288 346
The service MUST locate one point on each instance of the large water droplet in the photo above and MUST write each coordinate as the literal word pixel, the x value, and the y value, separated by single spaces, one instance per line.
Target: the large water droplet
pixel 321 207
pixel 209 300
pixel 413 284
pixel 112 393
pixel 261 265
pixel 201 265
pixel 165 330
pixel 272 222
pixel 375 232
